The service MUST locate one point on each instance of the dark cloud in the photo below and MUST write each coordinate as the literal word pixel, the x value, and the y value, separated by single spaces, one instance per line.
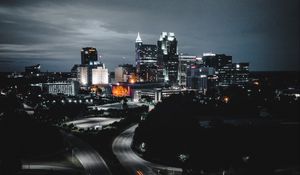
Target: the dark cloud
pixel 262 32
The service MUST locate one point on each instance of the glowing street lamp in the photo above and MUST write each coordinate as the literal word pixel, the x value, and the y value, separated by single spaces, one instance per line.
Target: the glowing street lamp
pixel 131 81
pixel 226 99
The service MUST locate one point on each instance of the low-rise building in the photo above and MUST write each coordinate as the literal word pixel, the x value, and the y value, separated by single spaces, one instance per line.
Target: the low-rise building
pixel 66 87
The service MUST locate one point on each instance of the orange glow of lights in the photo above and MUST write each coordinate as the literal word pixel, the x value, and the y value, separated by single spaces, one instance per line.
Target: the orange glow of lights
pixel 131 80
pixel 120 91
pixel 94 89
pixel 226 99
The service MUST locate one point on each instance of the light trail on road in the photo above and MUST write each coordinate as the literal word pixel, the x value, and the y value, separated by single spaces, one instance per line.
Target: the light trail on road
pixel 89 158
pixel 132 162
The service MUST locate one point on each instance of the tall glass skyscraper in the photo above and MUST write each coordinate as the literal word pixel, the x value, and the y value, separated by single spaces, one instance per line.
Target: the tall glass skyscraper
pixel 167 58
pixel 146 60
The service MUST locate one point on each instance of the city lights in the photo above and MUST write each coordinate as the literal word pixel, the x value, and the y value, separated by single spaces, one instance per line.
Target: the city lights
pixel 226 99
pixel 120 91
pixel 149 87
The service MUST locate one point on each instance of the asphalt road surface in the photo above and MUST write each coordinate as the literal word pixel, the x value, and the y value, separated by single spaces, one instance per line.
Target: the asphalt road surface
pixel 93 122
pixel 133 163
pixel 118 105
pixel 89 158
pixel 43 168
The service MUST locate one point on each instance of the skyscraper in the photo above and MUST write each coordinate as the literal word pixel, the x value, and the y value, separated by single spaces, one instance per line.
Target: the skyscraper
pixel 167 58
pixel 199 77
pixel 186 62
pixel 89 55
pixel 216 61
pixel 90 71
pixel 228 73
pixel 146 60
pixel 234 73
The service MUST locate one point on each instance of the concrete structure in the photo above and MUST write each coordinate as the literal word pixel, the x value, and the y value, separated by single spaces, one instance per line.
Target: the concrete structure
pixel 91 71
pixel 124 72
pixel 67 88
pixel 99 75
pixel 119 74
pixel 83 75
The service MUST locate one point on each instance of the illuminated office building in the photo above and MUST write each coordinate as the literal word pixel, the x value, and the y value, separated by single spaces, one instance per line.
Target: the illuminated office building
pixel 200 78
pixel 186 62
pixel 146 60
pixel 221 63
pixel 91 71
pixel 99 74
pixel 234 73
pixel 92 75
pixel 241 73
pixel 216 61
pixel 167 58
pixel 228 73
pixel 83 75
pixel 66 87
pixel 89 55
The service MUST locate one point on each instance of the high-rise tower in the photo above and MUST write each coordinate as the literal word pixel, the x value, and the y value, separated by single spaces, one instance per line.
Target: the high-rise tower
pixel 138 44
pixel 167 58
pixel 146 60
pixel 91 71
pixel 89 55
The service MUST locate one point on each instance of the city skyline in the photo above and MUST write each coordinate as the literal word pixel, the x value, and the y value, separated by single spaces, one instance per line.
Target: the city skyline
pixel 123 87
pixel 264 33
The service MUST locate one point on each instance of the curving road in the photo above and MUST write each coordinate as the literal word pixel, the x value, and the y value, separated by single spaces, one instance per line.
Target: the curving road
pixel 89 158
pixel 133 163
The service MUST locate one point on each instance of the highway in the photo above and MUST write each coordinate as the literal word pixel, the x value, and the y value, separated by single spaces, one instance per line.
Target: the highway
pixel 89 158
pixel 93 122
pixel 91 161
pixel 43 167
pixel 133 163
pixel 118 105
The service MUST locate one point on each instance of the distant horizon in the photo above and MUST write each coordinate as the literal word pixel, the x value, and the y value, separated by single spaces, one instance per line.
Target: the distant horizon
pixel 51 33
pixel 45 71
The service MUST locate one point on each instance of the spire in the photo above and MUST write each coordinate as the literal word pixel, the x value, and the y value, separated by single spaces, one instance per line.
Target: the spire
pixel 138 38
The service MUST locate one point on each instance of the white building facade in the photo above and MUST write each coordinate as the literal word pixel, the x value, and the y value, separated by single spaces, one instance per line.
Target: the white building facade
pixel 99 75
pixel 69 88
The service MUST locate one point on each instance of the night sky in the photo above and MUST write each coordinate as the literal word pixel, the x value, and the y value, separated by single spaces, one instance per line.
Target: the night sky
pixel 51 33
